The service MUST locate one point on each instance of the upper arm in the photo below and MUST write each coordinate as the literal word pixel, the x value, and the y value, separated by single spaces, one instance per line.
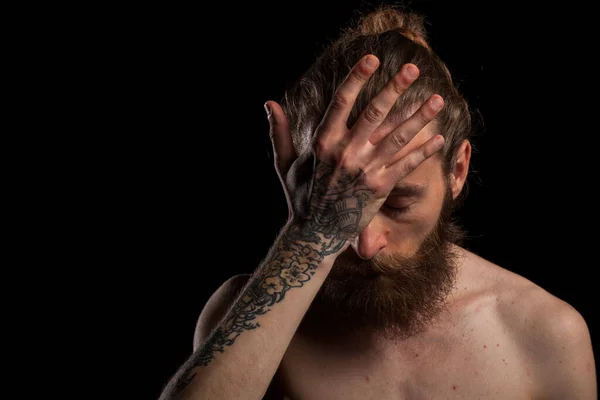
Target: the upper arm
pixel 216 307
pixel 560 341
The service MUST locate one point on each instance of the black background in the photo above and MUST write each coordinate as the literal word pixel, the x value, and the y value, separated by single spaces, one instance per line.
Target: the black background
pixel 189 195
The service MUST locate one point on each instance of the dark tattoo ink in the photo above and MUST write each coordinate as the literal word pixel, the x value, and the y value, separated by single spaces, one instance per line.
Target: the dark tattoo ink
pixel 336 202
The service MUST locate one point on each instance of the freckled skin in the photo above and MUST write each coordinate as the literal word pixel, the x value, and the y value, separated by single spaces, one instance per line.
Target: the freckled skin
pixel 340 207
pixel 488 304
pixel 450 354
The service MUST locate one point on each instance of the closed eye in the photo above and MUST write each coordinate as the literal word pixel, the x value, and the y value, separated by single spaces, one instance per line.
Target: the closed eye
pixel 396 211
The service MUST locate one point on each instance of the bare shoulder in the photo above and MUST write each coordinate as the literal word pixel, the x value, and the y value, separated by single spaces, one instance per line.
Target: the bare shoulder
pixel 551 334
pixel 217 305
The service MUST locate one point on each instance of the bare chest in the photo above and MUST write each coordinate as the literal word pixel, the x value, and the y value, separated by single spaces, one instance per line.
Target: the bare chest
pixel 463 366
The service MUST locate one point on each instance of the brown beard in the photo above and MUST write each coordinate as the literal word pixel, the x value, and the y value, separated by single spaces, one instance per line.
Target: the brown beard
pixel 392 294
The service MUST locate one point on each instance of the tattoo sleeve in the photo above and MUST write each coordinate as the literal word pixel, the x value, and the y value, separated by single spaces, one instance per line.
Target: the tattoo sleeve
pixel 335 214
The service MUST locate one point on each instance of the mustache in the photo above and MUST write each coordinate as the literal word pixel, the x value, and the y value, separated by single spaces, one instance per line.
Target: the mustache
pixel 380 265
pixel 395 293
pixel 433 250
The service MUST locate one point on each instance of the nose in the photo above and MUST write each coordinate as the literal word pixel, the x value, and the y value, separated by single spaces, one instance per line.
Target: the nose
pixel 372 239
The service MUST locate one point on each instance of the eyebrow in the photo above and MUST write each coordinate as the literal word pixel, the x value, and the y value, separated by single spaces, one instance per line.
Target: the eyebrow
pixel 408 190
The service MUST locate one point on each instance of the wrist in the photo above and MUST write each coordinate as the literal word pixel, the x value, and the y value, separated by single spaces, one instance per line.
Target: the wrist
pixel 328 245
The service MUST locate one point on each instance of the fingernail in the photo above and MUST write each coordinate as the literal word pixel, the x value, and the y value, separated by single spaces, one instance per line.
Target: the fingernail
pixel 268 109
pixel 411 72
pixel 371 62
pixel 436 103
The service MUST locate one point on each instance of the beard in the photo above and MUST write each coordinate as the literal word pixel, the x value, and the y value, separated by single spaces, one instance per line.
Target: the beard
pixel 395 295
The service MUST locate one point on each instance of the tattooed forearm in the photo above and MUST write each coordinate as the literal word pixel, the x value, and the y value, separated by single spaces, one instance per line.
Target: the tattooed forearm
pixel 337 200
pixel 336 204
pixel 293 265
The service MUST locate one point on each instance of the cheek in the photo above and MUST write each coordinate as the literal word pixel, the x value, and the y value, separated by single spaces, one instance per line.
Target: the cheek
pixel 408 235
pixel 425 218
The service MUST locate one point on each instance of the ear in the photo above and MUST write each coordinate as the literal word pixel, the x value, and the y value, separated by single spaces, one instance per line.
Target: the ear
pixel 458 175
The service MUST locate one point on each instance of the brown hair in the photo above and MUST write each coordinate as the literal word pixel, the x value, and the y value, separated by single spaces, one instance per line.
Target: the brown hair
pixel 396 37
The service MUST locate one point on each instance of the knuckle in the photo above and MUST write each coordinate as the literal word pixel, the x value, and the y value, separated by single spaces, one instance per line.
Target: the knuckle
pixel 397 84
pixel 404 169
pixel 397 140
pixel 429 149
pixel 414 160
pixel 422 117
pixel 370 180
pixel 345 162
pixel 376 185
pixel 373 114
pixel 355 77
pixel 348 160
pixel 339 102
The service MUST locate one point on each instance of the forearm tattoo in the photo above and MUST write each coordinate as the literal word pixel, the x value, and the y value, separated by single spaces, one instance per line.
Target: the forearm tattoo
pixel 336 210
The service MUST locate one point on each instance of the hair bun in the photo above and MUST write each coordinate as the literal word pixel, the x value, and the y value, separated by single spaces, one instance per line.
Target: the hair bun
pixel 389 18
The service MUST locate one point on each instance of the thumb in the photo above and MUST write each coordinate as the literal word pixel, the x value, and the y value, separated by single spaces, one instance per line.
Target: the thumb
pixel 279 131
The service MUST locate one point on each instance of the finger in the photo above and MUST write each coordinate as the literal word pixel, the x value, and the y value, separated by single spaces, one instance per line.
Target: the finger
pixel 399 169
pixel 339 109
pixel 379 107
pixel 405 132
pixel 279 132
